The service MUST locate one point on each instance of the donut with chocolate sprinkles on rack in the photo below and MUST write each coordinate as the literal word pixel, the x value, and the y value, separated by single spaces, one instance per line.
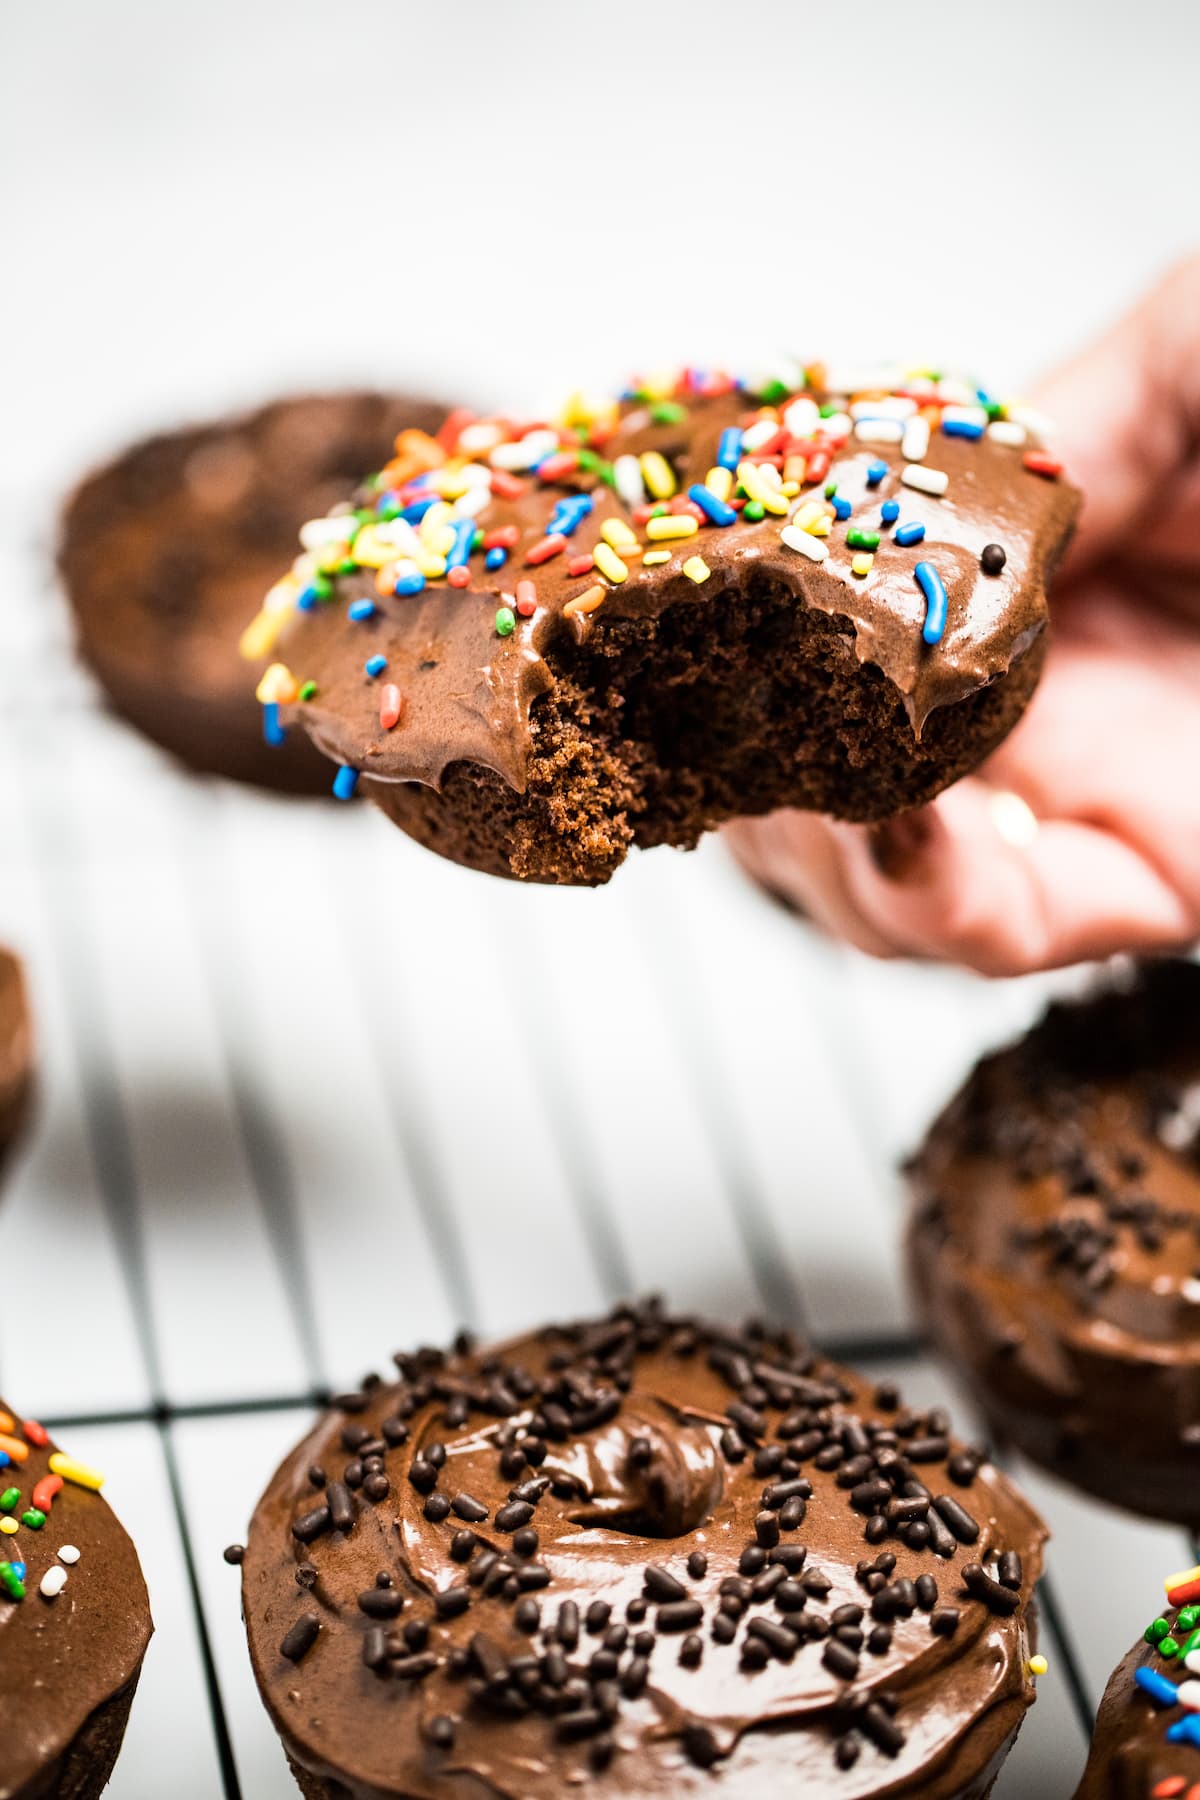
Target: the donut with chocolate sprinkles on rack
pixel 16 1053
pixel 74 1621
pixel 1055 1240
pixel 646 1554
pixel 166 551
pixel 536 646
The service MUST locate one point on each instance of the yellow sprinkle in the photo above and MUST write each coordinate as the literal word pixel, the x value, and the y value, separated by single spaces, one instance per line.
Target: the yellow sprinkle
pixel 586 602
pixel 671 525
pixel 372 549
pixel 808 515
pixel 862 563
pixel 617 533
pixel 656 556
pixel 819 528
pixel 432 567
pixel 79 1473
pixel 768 497
pixel 793 468
pixel 261 635
pixel 719 482
pixel 437 542
pixel 449 483
pixel 609 563
pixel 9 1526
pixel 696 569
pixel 278 686
pixel 791 489
pixel 660 384
pixel 656 473
pixel 1037 1665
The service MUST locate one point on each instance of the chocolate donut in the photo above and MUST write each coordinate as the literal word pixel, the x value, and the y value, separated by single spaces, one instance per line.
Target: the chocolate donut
pixel 540 646
pixel 74 1622
pixel 1146 1742
pixel 165 552
pixel 16 1053
pixel 645 1554
pixel 1055 1240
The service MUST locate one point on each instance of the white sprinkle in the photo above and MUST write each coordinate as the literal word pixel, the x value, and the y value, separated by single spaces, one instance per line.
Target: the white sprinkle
pixel 759 434
pixel 1006 431
pixel 1033 420
pixel 891 406
pixel 400 534
pixel 837 427
pixel 1188 1694
pixel 813 547
pixel 478 439
pixel 802 417
pixel 956 393
pixel 879 431
pixel 68 1554
pixel 965 415
pixel 627 479
pixel 915 441
pixel 1192 1661
pixel 850 380
pixel 55 1580
pixel 468 505
pixel 316 533
pixel 926 481
pixel 785 370
pixel 515 458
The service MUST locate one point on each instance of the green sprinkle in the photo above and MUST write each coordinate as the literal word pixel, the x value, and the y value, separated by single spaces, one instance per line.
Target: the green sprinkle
pixel 34 1518
pixel 1190 1643
pixel 308 690
pixel 8 1499
pixel 1157 1628
pixel 506 621
pixel 660 511
pixel 1188 1617
pixel 996 409
pixel 12 1581
pixel 858 539
pixel 830 489
pixel 826 409
pixel 775 390
pixel 363 515
pixel 1168 1646
pixel 753 509
pixel 388 510
pixel 322 587
pixel 668 412
pixel 477 538
pixel 347 566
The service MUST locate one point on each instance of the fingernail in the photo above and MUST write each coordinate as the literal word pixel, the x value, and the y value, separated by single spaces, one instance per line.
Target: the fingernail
pixel 900 845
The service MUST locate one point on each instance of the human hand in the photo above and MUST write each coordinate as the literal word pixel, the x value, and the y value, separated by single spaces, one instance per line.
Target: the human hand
pixel 1080 837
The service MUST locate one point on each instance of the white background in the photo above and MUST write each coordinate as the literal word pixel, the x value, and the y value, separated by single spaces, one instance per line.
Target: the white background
pixel 283 1050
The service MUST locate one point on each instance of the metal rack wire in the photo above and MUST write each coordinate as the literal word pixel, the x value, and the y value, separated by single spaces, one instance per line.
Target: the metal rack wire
pixel 309 1093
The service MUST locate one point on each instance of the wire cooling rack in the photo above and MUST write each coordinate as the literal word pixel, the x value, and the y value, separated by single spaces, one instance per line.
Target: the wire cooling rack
pixel 310 1094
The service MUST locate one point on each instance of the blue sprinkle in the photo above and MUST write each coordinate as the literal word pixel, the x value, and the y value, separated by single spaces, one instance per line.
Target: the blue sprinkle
pixel 889 512
pixel 5 1459
pixel 1185 1731
pixel 361 609
pixel 375 665
pixel 711 505
pixel 569 514
pixel 496 557
pixel 964 428
pixel 729 450
pixel 875 473
pixel 464 532
pixel 18 1569
pixel 415 512
pixel 841 506
pixel 345 782
pixel 307 599
pixel 273 734
pixel 1160 1690
pixel 936 601
pixel 411 582
pixel 908 534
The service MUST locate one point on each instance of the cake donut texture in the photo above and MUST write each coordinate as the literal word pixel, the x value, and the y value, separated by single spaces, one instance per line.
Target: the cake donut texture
pixel 540 645
pixel 16 1053
pixel 643 1555
pixel 166 551
pixel 74 1622
pixel 1146 1742
pixel 1055 1240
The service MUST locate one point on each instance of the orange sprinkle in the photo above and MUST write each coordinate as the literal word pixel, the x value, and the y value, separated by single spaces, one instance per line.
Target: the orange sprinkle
pixel 14 1447
pixel 526 599
pixel 585 602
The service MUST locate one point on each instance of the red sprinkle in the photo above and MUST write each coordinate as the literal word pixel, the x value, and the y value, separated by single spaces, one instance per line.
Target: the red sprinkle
pixel 503 538
pixel 1184 1593
pixel 459 575
pixel 553 468
pixel 526 599
pixel 449 431
pixel 45 1490
pixel 646 510
pixel 581 565
pixel 817 467
pixel 1041 464
pixel 37 1434
pixel 1168 1789
pixel 550 546
pixel 391 704
pixel 506 486
pixel 680 504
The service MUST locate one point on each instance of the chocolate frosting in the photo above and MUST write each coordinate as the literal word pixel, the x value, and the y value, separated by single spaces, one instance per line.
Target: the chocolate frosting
pixel 631 1444
pixel 1056 1238
pixel 468 692
pixel 16 1051
pixel 63 1658
pixel 1130 1752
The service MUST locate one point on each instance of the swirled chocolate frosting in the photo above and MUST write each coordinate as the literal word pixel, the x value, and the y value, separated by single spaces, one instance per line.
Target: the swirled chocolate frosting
pixel 63 1655
pixel 643 1555
pixel 1055 1241
pixel 1146 1741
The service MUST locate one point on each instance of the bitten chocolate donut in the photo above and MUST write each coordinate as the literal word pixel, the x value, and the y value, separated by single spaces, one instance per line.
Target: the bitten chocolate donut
pixel 16 1053
pixel 646 1555
pixel 1055 1241
pixel 540 645
pixel 1146 1743
pixel 166 552
pixel 74 1622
